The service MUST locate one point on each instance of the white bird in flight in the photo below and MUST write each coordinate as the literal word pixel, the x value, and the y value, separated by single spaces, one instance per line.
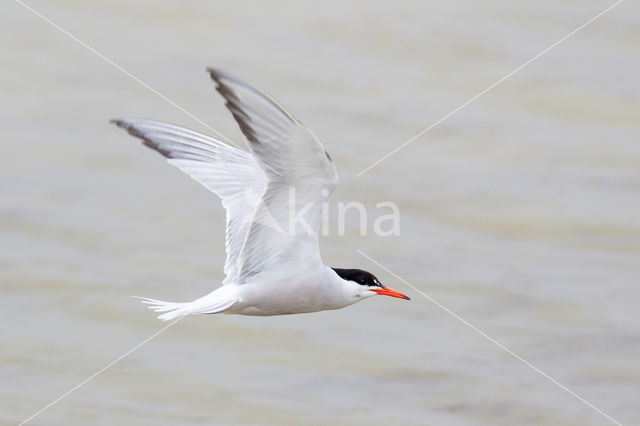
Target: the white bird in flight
pixel 273 197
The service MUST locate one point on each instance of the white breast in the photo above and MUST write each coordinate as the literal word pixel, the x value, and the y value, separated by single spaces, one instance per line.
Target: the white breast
pixel 267 294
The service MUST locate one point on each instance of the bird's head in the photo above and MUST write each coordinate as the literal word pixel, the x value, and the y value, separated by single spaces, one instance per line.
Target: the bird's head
pixel 363 284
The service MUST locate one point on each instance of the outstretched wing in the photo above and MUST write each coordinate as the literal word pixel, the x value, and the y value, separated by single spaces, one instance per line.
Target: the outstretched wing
pixel 233 174
pixel 300 176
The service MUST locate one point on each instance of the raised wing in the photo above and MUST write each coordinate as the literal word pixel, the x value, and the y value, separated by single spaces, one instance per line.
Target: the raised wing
pixel 233 174
pixel 300 176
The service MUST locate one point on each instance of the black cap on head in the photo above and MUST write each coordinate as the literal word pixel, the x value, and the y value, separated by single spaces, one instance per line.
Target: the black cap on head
pixel 359 276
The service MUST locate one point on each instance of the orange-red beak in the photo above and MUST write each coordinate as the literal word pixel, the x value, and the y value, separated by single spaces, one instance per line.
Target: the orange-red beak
pixel 390 292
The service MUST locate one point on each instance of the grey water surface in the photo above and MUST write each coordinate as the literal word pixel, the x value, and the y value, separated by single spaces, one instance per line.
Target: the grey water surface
pixel 520 213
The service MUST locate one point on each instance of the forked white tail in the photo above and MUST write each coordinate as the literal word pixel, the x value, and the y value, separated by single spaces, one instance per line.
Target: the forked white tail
pixel 174 310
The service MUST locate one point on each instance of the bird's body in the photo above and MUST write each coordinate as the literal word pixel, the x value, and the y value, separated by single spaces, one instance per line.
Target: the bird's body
pixel 273 196
pixel 267 294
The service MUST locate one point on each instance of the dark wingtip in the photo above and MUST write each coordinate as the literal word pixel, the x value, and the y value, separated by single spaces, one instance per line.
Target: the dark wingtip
pixel 118 122
pixel 216 74
pixel 128 127
pixel 219 76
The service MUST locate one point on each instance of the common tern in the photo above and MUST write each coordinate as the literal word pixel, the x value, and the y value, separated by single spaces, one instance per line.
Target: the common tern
pixel 273 195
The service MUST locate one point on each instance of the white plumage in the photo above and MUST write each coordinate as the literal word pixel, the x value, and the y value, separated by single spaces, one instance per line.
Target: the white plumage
pixel 273 198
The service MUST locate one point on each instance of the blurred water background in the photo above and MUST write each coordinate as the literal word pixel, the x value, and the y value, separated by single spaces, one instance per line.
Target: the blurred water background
pixel 521 213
